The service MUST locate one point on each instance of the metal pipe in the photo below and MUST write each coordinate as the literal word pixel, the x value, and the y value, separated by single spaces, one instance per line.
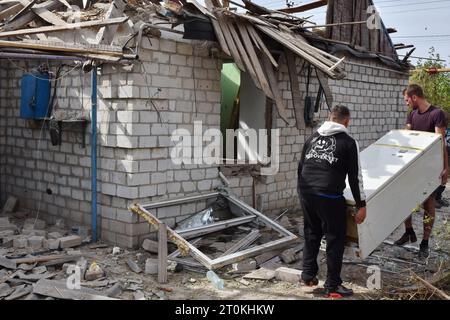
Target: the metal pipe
pixel 94 154
pixel 8 55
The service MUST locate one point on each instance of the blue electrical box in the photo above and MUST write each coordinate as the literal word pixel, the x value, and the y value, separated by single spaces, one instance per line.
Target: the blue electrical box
pixel 35 96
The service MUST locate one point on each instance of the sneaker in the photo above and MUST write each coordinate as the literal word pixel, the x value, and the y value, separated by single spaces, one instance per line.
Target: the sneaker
pixel 310 283
pixel 424 251
pixel 338 292
pixel 405 238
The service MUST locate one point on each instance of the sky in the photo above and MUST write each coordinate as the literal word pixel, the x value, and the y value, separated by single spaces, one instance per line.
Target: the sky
pixel 423 23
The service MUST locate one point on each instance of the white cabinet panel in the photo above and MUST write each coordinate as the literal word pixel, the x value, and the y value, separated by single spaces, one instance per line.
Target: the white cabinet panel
pixel 400 170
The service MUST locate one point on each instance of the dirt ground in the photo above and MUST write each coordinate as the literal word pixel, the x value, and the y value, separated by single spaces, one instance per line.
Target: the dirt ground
pixel 396 265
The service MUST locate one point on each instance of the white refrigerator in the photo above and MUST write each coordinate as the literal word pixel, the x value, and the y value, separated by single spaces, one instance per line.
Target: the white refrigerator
pixel 400 171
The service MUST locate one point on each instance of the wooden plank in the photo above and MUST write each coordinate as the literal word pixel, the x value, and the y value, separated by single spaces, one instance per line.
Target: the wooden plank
pixel 184 246
pixel 39 259
pixel 67 26
pixel 26 7
pixel 305 7
pixel 61 261
pixel 48 16
pixel 10 11
pixel 297 100
pixel 162 253
pixel 230 42
pixel 106 34
pixel 278 98
pixel 202 9
pixel 261 45
pixel 244 242
pixel 279 37
pixel 59 290
pixel 177 252
pixel 44 14
pixel 365 42
pixel 356 29
pixel 217 30
pixel 28 17
pixel 243 53
pixel 254 59
pixel 346 16
pixel 329 19
pixel 58 46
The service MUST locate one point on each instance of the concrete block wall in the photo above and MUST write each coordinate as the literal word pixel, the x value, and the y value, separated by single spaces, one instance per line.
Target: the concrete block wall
pixel 53 181
pixel 376 104
pixel 139 106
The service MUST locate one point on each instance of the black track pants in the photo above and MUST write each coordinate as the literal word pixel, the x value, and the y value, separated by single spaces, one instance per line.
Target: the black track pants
pixel 324 216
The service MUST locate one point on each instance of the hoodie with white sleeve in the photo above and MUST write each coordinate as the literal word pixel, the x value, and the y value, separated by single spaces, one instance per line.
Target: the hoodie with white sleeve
pixel 328 156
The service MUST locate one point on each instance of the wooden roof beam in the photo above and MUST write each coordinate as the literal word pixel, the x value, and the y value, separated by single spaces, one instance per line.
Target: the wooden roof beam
pixel 305 7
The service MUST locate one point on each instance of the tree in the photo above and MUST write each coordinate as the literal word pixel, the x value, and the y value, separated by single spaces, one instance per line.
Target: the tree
pixel 436 86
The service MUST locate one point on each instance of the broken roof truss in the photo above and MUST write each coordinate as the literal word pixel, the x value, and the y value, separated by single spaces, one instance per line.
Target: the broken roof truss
pixel 247 214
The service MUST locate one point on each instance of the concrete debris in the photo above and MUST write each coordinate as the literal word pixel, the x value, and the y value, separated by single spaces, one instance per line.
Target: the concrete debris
pixel 26 266
pixel 288 275
pixel 5 290
pixel 7 263
pixel 69 242
pixel 247 265
pixel 139 295
pixel 289 256
pixel 243 282
pixel 39 270
pixel 54 235
pixel 272 264
pixel 134 266
pixel 34 224
pixel 19 292
pixel 151 266
pixel 35 242
pixel 53 244
pixel 260 274
pixel 150 246
pixel 58 289
pixel 115 290
pixel 5 234
pixel 115 250
pixel 20 242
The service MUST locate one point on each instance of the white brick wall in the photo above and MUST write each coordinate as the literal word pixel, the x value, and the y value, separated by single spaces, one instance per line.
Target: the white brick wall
pixel 133 161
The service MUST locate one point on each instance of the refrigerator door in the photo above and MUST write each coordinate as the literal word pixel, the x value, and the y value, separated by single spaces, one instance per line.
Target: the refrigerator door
pixel 400 171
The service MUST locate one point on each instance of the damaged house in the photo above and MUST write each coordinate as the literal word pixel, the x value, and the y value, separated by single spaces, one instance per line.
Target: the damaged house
pixel 90 99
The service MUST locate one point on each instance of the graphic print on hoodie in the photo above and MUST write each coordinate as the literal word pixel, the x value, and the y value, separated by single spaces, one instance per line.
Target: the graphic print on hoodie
pixel 323 148
pixel 328 156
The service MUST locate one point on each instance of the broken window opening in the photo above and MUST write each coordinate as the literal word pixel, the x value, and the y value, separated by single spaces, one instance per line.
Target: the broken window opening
pixel 245 119
pixel 242 218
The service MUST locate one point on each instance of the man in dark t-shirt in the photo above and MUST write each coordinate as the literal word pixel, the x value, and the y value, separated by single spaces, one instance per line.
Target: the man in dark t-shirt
pixel 424 117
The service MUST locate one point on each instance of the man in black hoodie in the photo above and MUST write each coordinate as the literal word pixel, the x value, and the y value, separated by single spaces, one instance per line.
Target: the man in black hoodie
pixel 328 156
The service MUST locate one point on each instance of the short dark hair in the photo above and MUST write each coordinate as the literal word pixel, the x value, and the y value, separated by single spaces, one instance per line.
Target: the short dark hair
pixel 415 90
pixel 339 113
pixel 404 91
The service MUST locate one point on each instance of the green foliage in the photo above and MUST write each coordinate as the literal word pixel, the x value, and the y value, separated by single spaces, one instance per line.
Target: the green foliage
pixel 435 86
